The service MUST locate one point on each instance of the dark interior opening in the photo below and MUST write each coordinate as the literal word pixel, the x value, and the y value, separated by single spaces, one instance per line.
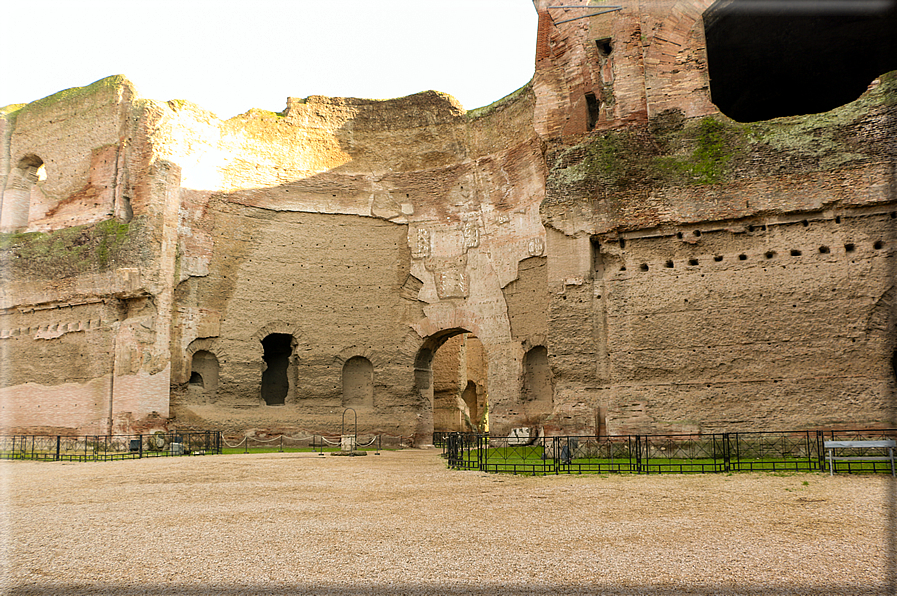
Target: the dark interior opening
pixel 604 46
pixel 275 382
pixel 594 109
pixel 772 59
pixel 894 365
pixel 196 379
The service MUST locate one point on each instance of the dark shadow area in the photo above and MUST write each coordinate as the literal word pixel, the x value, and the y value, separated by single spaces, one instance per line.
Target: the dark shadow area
pixel 275 382
pixel 769 59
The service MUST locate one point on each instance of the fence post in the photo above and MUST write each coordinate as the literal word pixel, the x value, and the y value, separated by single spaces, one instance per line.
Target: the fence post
pixel 726 455
pixel 638 454
pixel 820 452
pixel 57 448
pixel 140 452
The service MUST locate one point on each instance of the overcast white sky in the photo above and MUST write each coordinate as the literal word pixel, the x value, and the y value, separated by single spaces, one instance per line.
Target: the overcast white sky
pixel 229 55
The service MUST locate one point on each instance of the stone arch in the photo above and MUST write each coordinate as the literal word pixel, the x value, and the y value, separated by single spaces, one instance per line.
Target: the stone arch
pixel 451 375
pixel 278 361
pixel 203 344
pixel 21 185
pixel 358 383
pixel 423 380
pixel 773 59
pixel 204 371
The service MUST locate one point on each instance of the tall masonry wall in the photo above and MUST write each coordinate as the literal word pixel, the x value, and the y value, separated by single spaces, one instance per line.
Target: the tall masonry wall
pixel 619 255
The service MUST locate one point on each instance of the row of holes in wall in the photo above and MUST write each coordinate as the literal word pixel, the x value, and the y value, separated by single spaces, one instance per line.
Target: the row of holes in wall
pixel 849 247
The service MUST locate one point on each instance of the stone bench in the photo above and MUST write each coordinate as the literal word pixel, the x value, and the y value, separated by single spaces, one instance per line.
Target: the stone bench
pixel 831 446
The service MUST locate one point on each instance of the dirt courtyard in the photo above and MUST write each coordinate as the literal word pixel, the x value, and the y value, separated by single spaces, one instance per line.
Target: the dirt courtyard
pixel 402 523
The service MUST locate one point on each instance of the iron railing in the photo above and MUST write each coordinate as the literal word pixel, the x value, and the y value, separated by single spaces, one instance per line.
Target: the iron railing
pixel 109 447
pixel 795 451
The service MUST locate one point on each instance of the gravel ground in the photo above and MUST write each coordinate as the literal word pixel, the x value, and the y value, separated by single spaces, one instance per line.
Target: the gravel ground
pixel 401 523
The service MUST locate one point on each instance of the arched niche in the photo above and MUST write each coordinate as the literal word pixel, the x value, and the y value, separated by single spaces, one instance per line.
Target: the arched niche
pixel 538 386
pixel 203 373
pixel 358 383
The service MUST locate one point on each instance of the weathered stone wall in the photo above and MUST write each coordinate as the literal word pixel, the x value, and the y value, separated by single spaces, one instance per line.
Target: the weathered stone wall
pixel 707 275
pixel 628 259
pixel 393 221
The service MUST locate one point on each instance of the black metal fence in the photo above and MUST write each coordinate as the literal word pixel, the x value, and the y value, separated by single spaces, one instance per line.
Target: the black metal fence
pixel 311 442
pixel 797 451
pixel 109 447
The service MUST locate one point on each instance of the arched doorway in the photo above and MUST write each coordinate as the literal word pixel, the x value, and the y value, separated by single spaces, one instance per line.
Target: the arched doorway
pixel 278 347
pixel 451 370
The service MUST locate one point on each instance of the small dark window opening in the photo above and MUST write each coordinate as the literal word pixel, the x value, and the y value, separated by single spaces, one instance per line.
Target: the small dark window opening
pixel 770 254
pixel 196 379
pixel 697 233
pixel 838 219
pixel 622 243
pixel 824 250
pixel 623 268
pixel 805 223
pixel 597 261
pixel 795 252
pixel 594 109
pixel 878 244
pixel 718 258
pixel 679 235
pixel 849 247
pixel 604 47
pixel 643 266
pixel 275 382
pixel 693 262
pixel 669 264
pixel 742 257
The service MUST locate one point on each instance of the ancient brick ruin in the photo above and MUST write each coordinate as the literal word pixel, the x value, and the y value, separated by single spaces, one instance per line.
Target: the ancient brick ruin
pixel 602 251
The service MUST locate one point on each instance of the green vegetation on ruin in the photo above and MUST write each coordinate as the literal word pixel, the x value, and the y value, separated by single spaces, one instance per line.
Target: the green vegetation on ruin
pixel 11 109
pixel 70 251
pixel 75 93
pixel 495 105
pixel 672 150
pixel 714 144
pixel 258 113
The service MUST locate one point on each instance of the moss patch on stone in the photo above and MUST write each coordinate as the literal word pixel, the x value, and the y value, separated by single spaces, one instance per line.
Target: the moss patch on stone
pixel 713 144
pixel 497 105
pixel 77 93
pixel 71 251
pixel 11 109
pixel 672 151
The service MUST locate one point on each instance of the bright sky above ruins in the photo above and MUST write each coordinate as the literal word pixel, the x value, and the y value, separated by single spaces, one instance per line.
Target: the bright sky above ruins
pixel 229 56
